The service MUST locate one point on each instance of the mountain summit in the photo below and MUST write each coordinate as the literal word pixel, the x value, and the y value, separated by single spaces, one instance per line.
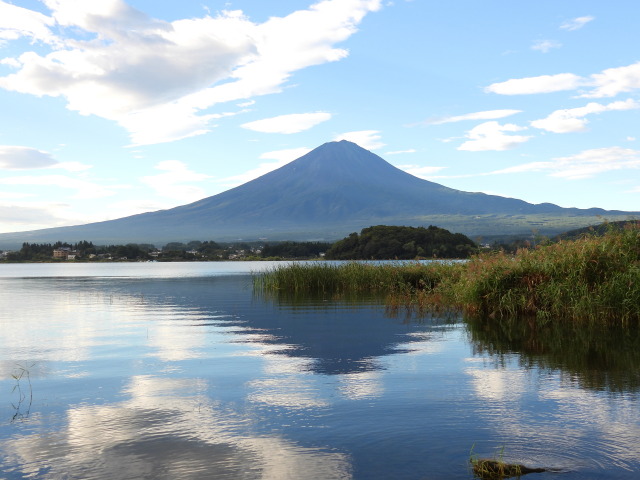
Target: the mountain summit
pixel 335 189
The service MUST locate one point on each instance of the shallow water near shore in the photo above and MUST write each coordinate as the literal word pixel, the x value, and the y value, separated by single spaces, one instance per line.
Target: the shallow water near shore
pixel 179 370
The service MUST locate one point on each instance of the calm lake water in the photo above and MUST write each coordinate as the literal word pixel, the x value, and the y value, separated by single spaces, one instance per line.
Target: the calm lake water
pixel 180 371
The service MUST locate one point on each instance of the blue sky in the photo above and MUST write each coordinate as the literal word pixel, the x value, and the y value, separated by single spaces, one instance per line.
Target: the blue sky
pixel 111 108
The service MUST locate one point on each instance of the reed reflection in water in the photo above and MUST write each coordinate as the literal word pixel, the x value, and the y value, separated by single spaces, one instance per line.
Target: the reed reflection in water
pixel 198 378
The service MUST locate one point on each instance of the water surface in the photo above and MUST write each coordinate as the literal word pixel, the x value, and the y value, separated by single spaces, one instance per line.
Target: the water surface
pixel 180 371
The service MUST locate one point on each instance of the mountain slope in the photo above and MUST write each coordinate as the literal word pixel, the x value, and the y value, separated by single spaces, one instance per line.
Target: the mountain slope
pixel 333 190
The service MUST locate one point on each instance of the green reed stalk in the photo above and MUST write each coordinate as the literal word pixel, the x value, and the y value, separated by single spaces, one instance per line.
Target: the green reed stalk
pixel 590 279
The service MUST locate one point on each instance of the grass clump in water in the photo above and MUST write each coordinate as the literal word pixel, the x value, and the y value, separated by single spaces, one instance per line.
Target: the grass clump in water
pixel 330 278
pixel 594 278
pixel 497 469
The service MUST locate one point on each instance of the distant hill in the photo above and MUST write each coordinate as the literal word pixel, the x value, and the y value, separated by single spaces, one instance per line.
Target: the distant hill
pixel 334 190
pixel 597 230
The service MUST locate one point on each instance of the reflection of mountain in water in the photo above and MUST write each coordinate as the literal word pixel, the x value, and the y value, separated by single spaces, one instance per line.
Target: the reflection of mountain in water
pixel 598 357
pixel 339 337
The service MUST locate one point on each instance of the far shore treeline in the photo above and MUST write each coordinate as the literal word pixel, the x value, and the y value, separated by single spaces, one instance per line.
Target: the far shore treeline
pixel 373 243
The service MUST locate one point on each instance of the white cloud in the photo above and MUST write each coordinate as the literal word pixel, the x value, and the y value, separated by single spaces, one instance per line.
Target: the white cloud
pixel 84 188
pixel 24 158
pixel 576 23
pixel 126 208
pixel 154 125
pixel 286 155
pixel 17 22
pixel 369 139
pixel 293 123
pixel 173 182
pixel 608 83
pixel 492 136
pixel 572 120
pixel 484 115
pixel 586 164
pixel 15 195
pixel 172 71
pixel 545 46
pixel 541 84
pixel 24 216
pixel 401 152
pixel 420 171
pixel 72 166
pixel 282 157
pixel 613 81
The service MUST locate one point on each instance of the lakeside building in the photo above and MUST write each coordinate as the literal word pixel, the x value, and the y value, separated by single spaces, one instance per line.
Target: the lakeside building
pixel 65 253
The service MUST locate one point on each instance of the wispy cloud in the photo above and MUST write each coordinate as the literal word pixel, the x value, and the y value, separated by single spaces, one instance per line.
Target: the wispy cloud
pixel 85 189
pixel 608 83
pixel 281 157
pixel 612 81
pixel 540 84
pixel 175 181
pixel 572 120
pixel 484 115
pixel 545 46
pixel 369 139
pixel 586 164
pixel 493 136
pixel 292 123
pixel 286 155
pixel 23 158
pixel 153 85
pixel 401 152
pixel 576 23
pixel 22 216
pixel 425 172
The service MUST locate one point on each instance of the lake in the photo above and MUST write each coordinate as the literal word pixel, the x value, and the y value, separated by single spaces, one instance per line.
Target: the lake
pixel 180 370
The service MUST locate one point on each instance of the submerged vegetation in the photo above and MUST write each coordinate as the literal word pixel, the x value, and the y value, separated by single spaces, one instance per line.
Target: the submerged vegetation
pixel 22 407
pixel 593 278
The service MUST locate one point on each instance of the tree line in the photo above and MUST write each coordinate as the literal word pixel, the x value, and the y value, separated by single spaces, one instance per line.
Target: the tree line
pixel 35 252
pixel 373 243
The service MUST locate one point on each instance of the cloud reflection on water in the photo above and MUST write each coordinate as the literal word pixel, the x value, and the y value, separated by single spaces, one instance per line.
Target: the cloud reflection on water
pixel 161 378
pixel 170 425
pixel 168 428
pixel 600 433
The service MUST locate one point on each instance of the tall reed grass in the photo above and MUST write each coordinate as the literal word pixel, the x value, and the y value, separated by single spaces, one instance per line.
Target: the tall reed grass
pixel 592 278
pixel 332 278
pixel 595 278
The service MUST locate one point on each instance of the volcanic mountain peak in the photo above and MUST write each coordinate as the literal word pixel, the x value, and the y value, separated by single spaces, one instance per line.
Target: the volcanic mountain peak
pixel 335 189
pixel 337 163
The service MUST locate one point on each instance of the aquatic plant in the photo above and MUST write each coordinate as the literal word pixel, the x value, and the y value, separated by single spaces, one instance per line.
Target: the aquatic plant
pixel 593 278
pixel 496 468
pixel 346 277
pixel 23 372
